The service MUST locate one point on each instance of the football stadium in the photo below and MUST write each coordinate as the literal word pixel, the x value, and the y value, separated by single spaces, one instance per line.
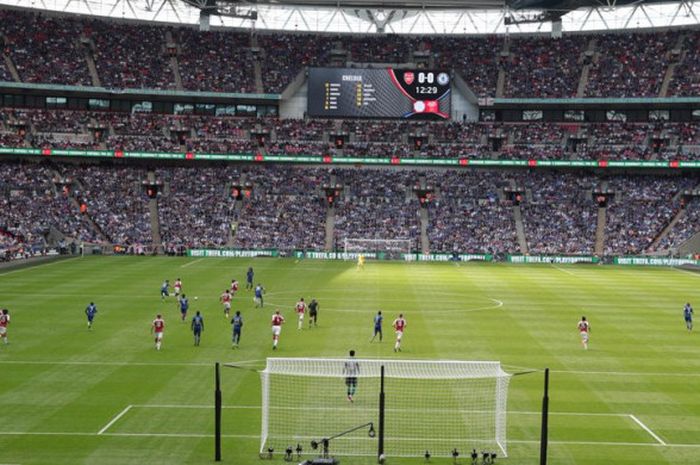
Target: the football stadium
pixel 349 232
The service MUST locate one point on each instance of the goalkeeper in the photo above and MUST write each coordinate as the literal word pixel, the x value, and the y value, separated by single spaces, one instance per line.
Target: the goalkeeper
pixel 351 370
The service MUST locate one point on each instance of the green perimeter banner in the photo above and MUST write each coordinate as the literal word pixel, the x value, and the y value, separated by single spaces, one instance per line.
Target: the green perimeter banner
pixel 446 257
pixel 552 259
pixel 232 253
pixel 337 255
pixel 655 261
pixel 316 159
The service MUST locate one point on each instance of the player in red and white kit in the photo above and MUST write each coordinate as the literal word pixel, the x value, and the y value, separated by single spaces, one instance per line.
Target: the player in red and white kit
pixel 225 299
pixel 399 324
pixel 234 287
pixel 277 322
pixel 4 321
pixel 178 287
pixel 157 328
pixel 300 308
pixel 584 328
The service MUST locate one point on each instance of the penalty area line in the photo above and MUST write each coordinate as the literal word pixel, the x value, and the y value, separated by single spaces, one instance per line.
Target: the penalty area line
pixel 191 263
pixel 114 420
pixel 563 270
pixel 39 265
pixel 648 430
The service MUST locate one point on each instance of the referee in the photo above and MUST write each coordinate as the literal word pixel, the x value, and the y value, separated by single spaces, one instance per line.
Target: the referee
pixel 351 370
pixel 313 312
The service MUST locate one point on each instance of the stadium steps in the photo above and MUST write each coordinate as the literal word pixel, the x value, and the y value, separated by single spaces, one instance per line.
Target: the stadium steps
pixel 586 69
pixel 504 54
pixel 520 228
pixel 670 71
pixel 258 77
pixel 237 207
pixel 583 81
pixel 155 219
pixel 330 229
pixel 667 229
pixel 501 83
pixel 667 79
pixel 76 203
pixel 330 222
pixel 87 45
pixel 690 246
pixel 599 247
pixel 257 68
pixel 11 66
pixel 424 241
pixel 174 64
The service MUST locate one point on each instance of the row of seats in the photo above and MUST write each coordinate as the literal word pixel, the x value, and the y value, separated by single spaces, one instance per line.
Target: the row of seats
pixel 359 138
pixel 133 55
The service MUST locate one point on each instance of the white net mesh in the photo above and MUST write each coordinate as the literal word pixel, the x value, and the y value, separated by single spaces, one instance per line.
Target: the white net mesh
pixel 377 248
pixel 430 405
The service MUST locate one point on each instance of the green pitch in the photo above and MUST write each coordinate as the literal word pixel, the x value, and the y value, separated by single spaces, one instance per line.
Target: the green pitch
pixel 72 396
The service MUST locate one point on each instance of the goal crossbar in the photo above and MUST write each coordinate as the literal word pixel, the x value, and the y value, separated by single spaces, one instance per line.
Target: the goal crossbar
pixel 371 368
pixel 377 245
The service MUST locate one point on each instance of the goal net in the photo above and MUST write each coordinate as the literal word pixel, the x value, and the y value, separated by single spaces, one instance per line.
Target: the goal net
pixel 429 405
pixel 377 248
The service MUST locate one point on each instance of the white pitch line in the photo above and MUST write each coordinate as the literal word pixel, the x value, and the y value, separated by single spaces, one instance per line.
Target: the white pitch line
pixel 114 420
pixel 681 270
pixel 258 407
pixel 191 263
pixel 182 435
pixel 118 364
pixel 257 438
pixel 565 271
pixel 40 265
pixel 648 430
pixel 123 364
pixel 166 435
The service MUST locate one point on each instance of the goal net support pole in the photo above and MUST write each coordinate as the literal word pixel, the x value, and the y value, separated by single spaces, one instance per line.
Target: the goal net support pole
pixel 380 428
pixel 217 414
pixel 424 405
pixel 544 434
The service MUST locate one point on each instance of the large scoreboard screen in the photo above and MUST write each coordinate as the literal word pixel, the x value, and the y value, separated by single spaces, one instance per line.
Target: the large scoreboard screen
pixel 379 93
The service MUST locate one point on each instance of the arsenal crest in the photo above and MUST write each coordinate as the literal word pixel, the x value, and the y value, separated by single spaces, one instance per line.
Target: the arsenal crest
pixel 408 77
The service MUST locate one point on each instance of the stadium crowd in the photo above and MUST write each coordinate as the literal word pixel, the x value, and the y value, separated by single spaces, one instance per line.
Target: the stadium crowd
pixel 133 55
pixel 468 214
pixel 561 218
pixel 195 208
pixel 287 208
pixel 361 138
pixel 377 204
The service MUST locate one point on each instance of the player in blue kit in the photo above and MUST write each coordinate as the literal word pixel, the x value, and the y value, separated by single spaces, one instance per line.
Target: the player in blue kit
pixel 258 299
pixel 90 311
pixel 184 306
pixel 688 316
pixel 164 290
pixel 237 325
pixel 197 327
pixel 378 319
pixel 249 278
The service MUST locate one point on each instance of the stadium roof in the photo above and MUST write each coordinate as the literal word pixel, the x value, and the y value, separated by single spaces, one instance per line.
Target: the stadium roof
pixel 395 16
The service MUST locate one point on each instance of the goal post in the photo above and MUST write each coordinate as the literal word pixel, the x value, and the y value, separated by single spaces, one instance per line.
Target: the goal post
pixel 377 248
pixel 429 405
